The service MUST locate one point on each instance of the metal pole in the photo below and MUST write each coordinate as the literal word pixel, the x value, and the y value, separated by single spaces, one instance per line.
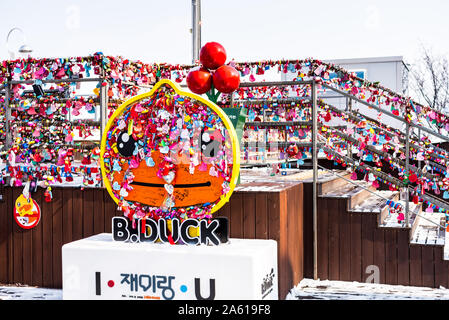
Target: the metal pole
pixel 407 170
pixel 103 107
pixel 8 115
pixel 8 137
pixel 349 144
pixel 315 178
pixel 70 80
pixel 196 30
pixel 419 139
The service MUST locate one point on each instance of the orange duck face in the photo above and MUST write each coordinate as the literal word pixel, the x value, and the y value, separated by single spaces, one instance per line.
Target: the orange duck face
pixel 169 155
pixel 187 189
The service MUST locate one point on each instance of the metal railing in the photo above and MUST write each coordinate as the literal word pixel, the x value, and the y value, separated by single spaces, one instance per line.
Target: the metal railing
pixel 406 137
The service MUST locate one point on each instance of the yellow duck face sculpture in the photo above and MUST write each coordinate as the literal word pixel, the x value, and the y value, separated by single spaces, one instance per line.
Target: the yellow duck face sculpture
pixel 26 212
pixel 169 153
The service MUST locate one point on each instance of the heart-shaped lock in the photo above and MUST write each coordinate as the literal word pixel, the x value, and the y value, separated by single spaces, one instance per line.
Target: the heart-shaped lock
pixel 169 188
pixel 133 164
pixel 116 186
pixel 123 192
pixel 169 177
pixel 149 161
pixel 164 149
pixel 117 166
pixel 213 172
pixel 202 166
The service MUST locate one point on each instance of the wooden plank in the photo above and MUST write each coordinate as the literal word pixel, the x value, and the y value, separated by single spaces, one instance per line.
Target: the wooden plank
pixel 27 256
pixel 17 244
pixel 47 241
pixel 57 239
pixel 441 268
pixel 249 216
pixel 277 211
pixel 427 266
pixel 88 212
pixel 333 184
pixel 110 210
pixel 261 216
pixel 415 265
pixel 345 243
pixel 11 222
pixel 356 247
pixel 36 245
pixel 379 251
pixel 236 221
pixel 67 215
pixel 403 257
pixel 323 242
pixel 308 230
pixel 369 222
pixel 99 211
pixel 295 239
pixel 4 232
pixel 77 214
pixel 225 211
pixel 334 243
pixel 391 256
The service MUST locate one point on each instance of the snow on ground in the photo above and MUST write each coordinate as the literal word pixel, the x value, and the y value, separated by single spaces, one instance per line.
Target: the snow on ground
pixel 8 292
pixel 309 289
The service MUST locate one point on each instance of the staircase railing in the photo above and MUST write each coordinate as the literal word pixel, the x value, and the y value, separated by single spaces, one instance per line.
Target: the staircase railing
pixel 311 86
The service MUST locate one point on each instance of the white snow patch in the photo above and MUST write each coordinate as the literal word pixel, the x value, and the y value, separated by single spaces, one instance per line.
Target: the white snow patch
pixel 29 293
pixel 309 289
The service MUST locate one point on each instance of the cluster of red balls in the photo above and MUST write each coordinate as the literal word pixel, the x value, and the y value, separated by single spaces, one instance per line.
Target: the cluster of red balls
pixel 225 79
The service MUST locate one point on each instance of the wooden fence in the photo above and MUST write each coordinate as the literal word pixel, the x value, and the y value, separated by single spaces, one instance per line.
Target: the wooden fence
pixel 276 215
pixel 351 246
pixel 33 257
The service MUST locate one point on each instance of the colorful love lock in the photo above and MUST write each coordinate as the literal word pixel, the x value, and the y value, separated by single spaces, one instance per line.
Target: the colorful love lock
pixel 169 154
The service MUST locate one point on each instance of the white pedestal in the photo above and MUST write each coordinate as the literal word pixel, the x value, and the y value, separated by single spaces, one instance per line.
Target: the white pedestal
pixel 100 268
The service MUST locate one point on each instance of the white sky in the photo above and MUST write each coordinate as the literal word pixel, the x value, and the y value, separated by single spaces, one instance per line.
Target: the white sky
pixel 250 30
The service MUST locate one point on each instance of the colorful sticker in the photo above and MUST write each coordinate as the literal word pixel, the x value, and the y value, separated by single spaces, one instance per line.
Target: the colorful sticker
pixel 27 213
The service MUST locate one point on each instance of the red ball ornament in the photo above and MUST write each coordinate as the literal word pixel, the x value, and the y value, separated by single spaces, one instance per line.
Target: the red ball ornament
pixel 226 79
pixel 199 81
pixel 212 55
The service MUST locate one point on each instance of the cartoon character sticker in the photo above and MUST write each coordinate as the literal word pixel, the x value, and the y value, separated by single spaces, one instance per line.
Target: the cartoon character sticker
pixel 27 213
pixel 169 153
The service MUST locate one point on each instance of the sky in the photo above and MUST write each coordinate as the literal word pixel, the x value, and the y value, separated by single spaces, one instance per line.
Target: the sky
pixel 250 30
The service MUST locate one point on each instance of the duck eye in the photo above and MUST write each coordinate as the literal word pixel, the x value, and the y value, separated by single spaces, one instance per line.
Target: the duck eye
pixel 125 144
pixel 18 204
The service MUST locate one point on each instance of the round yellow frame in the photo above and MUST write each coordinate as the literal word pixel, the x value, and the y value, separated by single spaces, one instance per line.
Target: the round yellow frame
pixel 227 122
